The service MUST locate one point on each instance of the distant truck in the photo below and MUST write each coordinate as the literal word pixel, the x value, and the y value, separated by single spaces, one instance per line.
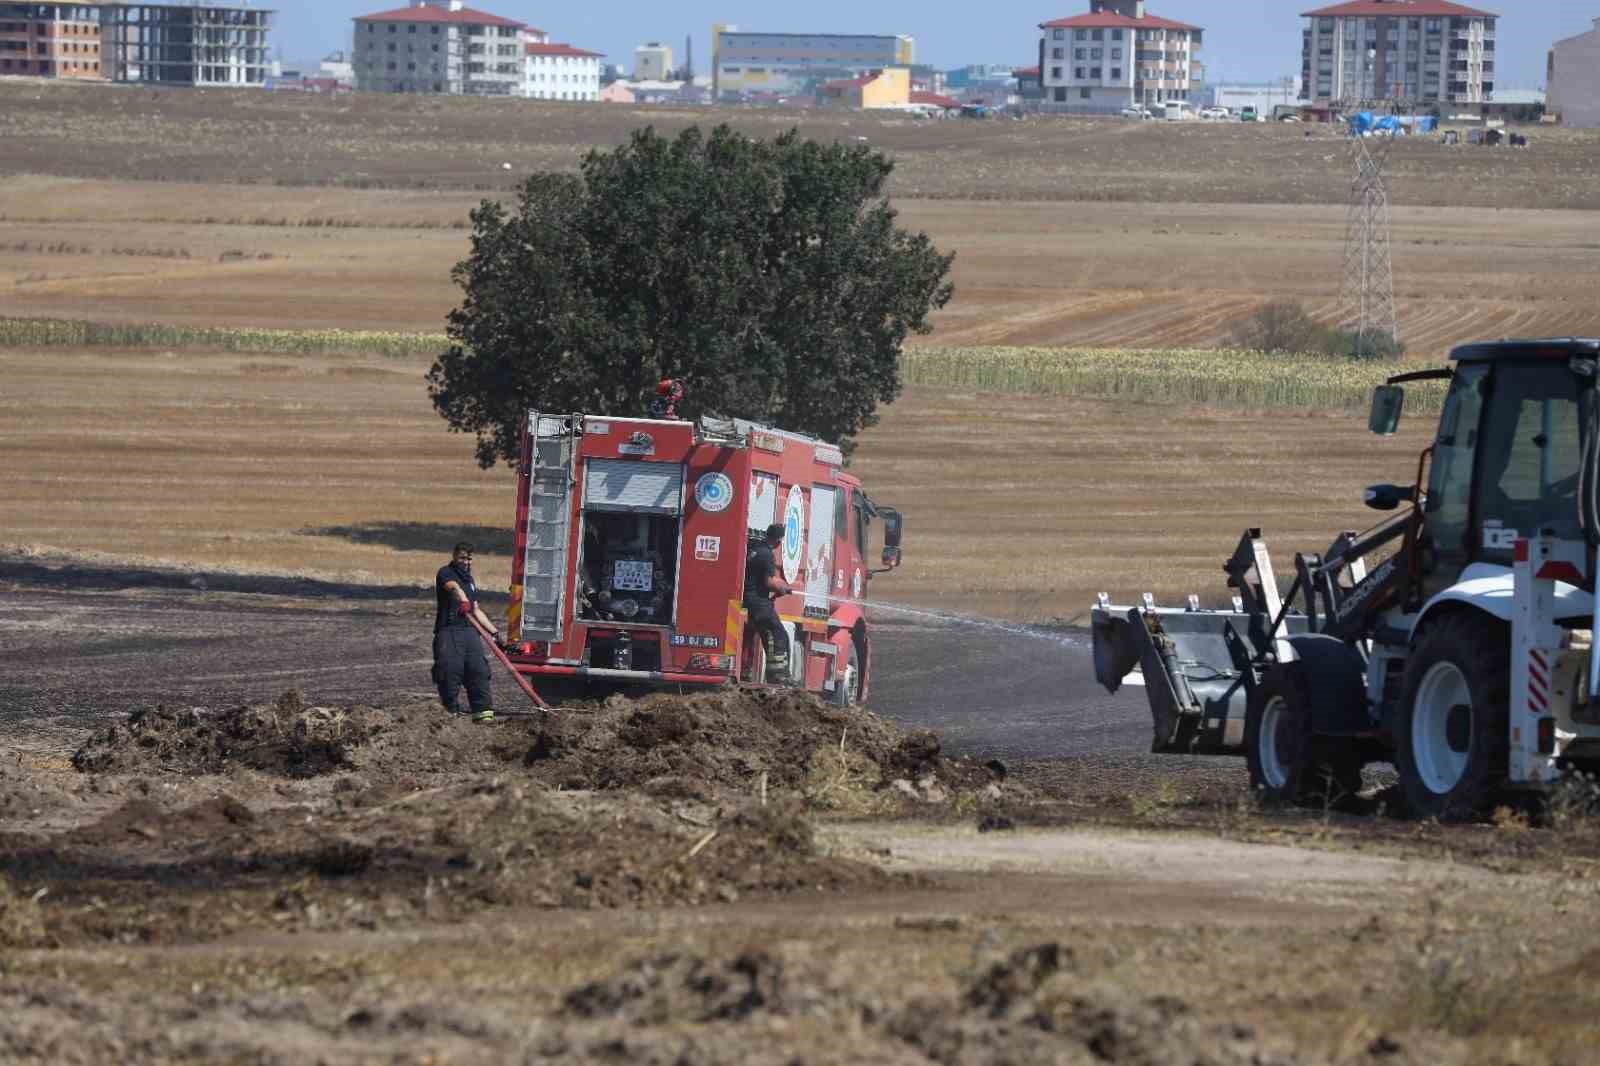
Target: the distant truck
pixel 1247 114
pixel 630 547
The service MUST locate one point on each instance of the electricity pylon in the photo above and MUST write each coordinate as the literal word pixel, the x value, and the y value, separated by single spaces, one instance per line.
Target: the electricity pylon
pixel 1366 300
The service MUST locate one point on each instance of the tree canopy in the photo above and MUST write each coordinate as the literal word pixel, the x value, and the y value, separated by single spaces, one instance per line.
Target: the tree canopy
pixel 769 277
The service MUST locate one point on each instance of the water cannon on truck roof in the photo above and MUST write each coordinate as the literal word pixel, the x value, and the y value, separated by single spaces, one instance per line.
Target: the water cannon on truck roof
pixel 1453 639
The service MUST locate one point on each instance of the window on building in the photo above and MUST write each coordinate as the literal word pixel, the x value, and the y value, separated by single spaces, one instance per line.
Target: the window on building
pixel 1094 73
pixel 1096 53
pixel 1085 94
pixel 1097 35
pixel 393 28
pixel 1058 53
pixel 1055 73
pixel 1059 35
pixel 1116 73
pixel 1116 53
pixel 1082 35
pixel 1116 35
pixel 1081 73
pixel 411 28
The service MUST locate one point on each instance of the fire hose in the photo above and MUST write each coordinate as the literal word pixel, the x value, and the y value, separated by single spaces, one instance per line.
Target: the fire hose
pixel 505 660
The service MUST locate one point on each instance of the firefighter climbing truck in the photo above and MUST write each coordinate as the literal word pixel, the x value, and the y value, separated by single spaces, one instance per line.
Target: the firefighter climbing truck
pixel 1453 640
pixel 631 542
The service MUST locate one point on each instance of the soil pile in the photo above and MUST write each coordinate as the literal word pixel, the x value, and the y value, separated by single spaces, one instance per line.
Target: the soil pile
pixel 146 873
pixel 285 738
pixel 701 746
pixel 1024 1008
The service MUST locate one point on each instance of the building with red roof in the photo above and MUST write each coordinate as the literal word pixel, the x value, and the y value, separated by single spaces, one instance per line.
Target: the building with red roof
pixel 562 72
pixel 1428 53
pixel 441 46
pixel 1115 56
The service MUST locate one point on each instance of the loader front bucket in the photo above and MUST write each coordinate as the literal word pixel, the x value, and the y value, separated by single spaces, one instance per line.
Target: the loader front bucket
pixel 1192 679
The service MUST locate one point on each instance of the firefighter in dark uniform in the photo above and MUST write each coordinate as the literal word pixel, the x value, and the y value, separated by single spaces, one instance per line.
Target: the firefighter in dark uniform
pixel 458 654
pixel 761 584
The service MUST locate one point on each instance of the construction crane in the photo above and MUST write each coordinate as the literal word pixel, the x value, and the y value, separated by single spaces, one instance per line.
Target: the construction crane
pixel 1452 639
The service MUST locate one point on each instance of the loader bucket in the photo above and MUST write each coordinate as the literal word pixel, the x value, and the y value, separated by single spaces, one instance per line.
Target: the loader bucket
pixel 1196 692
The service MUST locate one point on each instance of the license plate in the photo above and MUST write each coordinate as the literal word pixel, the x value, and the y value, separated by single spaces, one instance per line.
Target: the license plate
pixel 629 576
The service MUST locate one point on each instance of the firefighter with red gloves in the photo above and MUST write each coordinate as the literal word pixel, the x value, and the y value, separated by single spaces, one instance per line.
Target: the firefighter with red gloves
pixel 761 585
pixel 459 657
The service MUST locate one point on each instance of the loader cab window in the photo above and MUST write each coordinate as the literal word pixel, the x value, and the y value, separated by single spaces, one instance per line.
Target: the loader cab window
pixel 1529 458
pixel 1448 509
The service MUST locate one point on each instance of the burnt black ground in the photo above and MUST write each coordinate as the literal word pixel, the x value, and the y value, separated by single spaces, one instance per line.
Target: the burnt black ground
pixel 81 644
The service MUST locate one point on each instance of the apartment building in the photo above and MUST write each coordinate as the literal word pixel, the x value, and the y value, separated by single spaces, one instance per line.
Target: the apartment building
pixel 51 40
pixel 1116 56
pixel 561 72
pixel 441 46
pixel 1574 80
pixel 1425 52
pixel 794 64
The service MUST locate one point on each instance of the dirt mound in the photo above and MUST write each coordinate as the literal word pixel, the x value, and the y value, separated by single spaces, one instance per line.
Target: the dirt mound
pixel 144 872
pixel 285 738
pixel 1023 1008
pixel 698 747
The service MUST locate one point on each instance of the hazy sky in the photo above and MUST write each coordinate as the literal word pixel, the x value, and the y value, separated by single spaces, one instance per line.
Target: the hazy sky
pixel 1246 40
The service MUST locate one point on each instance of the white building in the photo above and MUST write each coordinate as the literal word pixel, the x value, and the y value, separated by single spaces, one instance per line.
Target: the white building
pixel 1428 52
pixel 561 72
pixel 1263 97
pixel 1116 56
pixel 439 46
pixel 1574 80
pixel 652 62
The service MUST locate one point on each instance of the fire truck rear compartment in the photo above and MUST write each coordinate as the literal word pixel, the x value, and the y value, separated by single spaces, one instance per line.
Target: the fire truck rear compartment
pixel 628 568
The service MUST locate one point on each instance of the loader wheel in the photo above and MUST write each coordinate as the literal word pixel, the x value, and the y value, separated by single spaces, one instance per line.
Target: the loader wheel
pixel 1289 765
pixel 1450 731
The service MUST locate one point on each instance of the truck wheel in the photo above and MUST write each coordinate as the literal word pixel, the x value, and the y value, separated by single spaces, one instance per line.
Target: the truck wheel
pixel 1450 733
pixel 1289 765
pixel 848 685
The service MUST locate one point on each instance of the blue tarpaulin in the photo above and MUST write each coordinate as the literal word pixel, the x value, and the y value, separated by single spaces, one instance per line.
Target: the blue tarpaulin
pixel 1365 122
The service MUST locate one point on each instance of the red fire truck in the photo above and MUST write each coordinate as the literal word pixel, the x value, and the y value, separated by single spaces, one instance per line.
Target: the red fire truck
pixel 631 541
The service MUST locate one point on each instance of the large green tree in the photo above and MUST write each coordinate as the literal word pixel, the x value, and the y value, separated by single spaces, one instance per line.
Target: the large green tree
pixel 769 277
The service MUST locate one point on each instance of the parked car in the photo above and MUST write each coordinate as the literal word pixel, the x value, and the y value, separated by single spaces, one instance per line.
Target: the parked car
pixel 1215 112
pixel 1247 114
pixel 1136 112
pixel 1290 118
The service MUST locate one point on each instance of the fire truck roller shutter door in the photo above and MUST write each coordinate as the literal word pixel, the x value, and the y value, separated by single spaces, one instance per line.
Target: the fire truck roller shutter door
pixel 633 486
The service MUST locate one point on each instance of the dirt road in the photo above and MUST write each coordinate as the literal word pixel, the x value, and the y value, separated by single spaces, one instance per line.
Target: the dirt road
pixel 84 643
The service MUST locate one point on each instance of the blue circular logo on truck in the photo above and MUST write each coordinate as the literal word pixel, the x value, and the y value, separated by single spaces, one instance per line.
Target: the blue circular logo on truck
pixel 713 492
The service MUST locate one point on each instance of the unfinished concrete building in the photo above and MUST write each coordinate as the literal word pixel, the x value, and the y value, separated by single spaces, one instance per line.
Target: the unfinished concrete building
pixel 185 44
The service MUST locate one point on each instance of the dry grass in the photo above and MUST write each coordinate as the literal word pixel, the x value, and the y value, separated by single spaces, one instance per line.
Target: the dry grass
pixel 1017 506
pixel 378 141
pixel 1027 274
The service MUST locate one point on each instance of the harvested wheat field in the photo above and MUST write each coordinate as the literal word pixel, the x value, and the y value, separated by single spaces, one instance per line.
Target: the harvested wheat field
pixel 1017 506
